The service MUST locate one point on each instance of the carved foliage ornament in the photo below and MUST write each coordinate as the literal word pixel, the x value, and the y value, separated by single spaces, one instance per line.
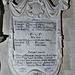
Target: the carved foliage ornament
pixel 35 42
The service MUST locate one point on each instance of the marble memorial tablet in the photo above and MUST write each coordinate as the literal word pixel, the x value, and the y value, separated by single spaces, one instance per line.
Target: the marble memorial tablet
pixel 35 42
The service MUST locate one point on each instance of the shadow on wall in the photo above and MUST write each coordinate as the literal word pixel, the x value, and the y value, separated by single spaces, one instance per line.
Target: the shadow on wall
pixel 2 36
pixel 62 28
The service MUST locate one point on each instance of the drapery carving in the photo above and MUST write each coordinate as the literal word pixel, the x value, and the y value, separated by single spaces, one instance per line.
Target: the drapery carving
pixel 17 10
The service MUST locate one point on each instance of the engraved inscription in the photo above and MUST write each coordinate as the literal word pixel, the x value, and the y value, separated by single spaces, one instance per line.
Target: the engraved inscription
pixel 35 44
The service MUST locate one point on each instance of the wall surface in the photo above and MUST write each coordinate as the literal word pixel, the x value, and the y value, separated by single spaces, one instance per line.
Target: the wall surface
pixel 68 22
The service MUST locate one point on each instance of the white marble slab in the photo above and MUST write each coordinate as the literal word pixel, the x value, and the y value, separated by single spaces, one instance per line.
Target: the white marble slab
pixel 69 24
